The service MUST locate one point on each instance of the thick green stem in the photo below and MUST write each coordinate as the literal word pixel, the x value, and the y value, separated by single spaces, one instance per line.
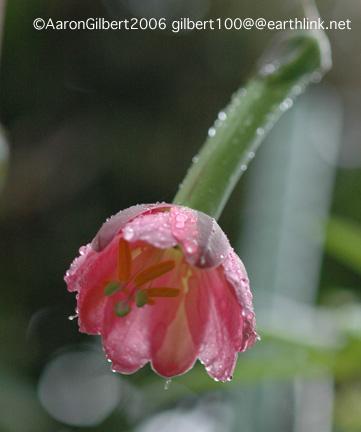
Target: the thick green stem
pixel 287 67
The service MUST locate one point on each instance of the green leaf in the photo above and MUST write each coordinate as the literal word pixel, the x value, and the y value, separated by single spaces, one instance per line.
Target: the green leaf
pixel 291 63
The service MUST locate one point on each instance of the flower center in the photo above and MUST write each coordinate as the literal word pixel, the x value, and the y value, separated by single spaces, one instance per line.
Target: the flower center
pixel 135 285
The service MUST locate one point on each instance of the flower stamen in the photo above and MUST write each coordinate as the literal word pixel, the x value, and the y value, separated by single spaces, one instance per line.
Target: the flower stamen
pixel 124 261
pixel 163 292
pixel 154 272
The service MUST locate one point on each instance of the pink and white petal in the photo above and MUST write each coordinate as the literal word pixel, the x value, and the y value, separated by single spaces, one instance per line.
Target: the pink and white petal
pixel 218 353
pixel 203 242
pixel 212 241
pixel 183 225
pixel 173 350
pixel 235 273
pixel 79 265
pixel 152 228
pixel 99 269
pixel 112 226
pixel 197 309
pixel 224 334
pixel 126 339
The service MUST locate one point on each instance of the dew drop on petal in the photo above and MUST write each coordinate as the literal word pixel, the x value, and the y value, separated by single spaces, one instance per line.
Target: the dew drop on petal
pixel 128 233
pixel 202 260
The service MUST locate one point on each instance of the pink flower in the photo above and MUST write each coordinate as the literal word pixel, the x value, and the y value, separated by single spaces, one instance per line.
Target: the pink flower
pixel 160 283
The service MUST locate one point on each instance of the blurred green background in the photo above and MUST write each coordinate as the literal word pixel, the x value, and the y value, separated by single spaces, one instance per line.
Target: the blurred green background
pixel 97 121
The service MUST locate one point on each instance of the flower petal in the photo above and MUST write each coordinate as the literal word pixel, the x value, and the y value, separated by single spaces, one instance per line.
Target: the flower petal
pixel 172 347
pixel 212 242
pixel 114 224
pixel 152 228
pixel 204 243
pixel 126 339
pixel 235 273
pixel 224 335
pixel 197 309
pixel 96 272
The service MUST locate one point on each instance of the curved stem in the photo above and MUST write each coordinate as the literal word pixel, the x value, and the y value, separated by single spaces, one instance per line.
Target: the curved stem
pixel 286 68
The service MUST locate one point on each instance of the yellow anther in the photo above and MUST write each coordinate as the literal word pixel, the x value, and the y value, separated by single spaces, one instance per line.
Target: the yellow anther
pixel 124 261
pixel 163 292
pixel 153 272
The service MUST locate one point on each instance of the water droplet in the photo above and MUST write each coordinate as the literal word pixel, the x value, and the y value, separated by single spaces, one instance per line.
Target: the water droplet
pixel 251 155
pixel 195 159
pixel 222 116
pixel 72 317
pixel 244 167
pixel 167 384
pixel 260 131
pixel 128 233
pixel 268 69
pixel 286 104
pixel 211 132
pixel 190 248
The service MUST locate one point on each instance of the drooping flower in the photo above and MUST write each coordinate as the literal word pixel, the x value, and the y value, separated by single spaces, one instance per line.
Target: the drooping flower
pixel 160 283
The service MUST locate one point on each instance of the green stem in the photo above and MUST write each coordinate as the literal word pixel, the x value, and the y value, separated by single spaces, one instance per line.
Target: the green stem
pixel 286 69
